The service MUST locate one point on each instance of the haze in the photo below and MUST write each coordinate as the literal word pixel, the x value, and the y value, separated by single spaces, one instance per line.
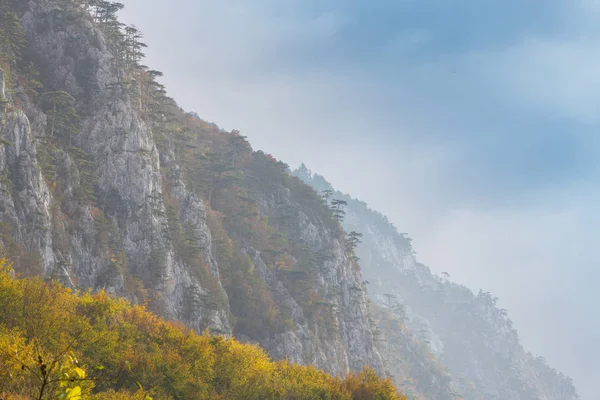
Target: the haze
pixel 472 125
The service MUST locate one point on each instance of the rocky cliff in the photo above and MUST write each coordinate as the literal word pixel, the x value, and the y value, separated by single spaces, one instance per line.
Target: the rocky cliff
pixel 107 184
pixel 440 340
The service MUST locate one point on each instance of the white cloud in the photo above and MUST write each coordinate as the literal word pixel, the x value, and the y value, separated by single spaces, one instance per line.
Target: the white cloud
pixel 548 76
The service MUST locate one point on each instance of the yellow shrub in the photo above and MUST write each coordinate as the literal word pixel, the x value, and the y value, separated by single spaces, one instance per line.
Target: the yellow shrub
pixel 68 345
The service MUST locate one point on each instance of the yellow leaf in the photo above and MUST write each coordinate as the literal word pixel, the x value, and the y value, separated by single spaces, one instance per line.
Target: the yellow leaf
pixel 74 393
pixel 80 373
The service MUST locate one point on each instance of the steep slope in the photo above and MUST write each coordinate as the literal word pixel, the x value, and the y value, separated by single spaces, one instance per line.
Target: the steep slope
pixel 465 332
pixel 107 184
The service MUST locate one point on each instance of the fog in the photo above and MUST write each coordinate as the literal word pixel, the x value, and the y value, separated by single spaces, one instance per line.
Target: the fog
pixel 473 127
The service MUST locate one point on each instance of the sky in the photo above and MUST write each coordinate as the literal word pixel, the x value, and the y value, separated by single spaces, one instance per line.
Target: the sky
pixel 473 125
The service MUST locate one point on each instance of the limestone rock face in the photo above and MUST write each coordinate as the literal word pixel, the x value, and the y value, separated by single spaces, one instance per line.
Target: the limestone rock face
pixel 347 343
pixel 123 161
pixel 101 212
pixel 2 84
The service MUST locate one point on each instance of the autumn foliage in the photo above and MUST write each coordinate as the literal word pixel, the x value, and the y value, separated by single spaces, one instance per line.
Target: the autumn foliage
pixel 59 344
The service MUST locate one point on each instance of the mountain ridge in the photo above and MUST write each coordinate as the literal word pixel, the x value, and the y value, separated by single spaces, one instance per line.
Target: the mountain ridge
pixel 389 263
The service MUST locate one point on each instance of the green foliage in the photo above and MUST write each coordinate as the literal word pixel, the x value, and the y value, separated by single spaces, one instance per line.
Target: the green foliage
pixel 85 193
pixel 158 265
pixel 337 209
pixel 12 37
pixel 30 78
pixel 352 241
pixel 12 42
pixel 57 344
pixel 63 120
pixel 250 299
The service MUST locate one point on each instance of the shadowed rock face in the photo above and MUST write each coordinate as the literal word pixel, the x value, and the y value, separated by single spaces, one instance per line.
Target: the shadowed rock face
pixel 94 214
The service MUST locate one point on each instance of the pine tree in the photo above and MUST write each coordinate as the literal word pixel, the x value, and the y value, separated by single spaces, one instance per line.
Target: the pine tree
pixel 12 37
pixel 353 240
pixel 63 119
pixel 336 209
pixel 326 195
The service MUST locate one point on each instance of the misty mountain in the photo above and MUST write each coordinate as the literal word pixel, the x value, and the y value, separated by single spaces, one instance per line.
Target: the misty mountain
pixel 107 185
pixel 471 342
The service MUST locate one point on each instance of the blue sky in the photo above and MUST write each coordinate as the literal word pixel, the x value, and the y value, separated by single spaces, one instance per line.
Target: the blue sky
pixel 472 124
